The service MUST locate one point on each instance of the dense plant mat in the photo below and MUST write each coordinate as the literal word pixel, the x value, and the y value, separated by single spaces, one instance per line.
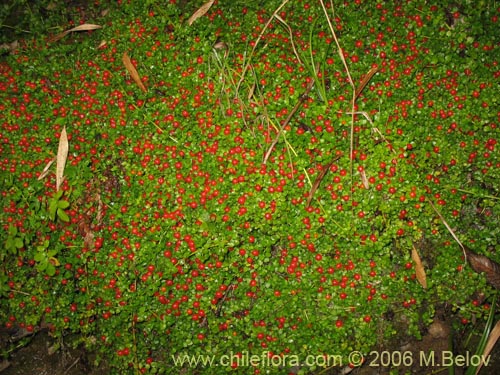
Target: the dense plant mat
pixel 238 179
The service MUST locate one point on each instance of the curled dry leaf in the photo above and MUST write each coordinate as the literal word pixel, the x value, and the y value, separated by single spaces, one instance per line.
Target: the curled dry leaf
pixel 483 264
pixel 365 80
pixel 419 268
pixel 133 72
pixel 84 27
pixel 200 12
pixel 46 169
pixel 220 45
pixel 62 155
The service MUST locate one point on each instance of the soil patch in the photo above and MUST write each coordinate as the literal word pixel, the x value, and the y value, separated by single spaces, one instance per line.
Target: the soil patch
pixel 36 359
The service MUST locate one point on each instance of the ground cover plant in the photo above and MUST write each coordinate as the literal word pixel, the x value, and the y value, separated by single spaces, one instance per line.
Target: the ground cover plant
pixel 236 185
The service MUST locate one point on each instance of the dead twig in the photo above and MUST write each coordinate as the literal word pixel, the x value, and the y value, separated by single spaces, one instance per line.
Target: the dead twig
pixel 302 99
pixel 445 223
pixel 351 82
pixel 318 180
pixel 374 128
pixel 70 367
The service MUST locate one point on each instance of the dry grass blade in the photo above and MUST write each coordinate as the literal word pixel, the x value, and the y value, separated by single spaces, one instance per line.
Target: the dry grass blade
pixel 492 339
pixel 291 37
pixel 251 91
pixel 46 169
pixel 449 228
pixel 318 180
pixel 419 268
pixel 339 48
pixel 248 64
pixel 366 184
pixel 100 209
pixel 133 72
pixel 84 27
pixel 351 82
pixel 62 155
pixel 200 12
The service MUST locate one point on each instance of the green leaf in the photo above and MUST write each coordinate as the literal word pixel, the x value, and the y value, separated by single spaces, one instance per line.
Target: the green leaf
pixel 58 195
pixel 12 230
pixel 10 243
pixel 50 269
pixel 63 204
pixel 40 256
pixel 18 242
pixel 63 215
pixel 171 268
pixel 52 209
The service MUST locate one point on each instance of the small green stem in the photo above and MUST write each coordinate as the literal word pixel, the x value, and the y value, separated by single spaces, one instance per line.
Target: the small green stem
pixel 482 196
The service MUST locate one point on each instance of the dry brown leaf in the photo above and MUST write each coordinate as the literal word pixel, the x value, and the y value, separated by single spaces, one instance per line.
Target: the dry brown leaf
pixel 46 169
pixel 481 263
pixel 88 240
pixel 10 47
pixel 419 268
pixel 492 339
pixel 62 155
pixel 200 12
pixel 365 80
pixel 133 72
pixel 84 27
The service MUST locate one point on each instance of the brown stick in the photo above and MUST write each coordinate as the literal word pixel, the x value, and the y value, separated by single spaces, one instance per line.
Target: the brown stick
pixel 318 180
pixel 302 99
